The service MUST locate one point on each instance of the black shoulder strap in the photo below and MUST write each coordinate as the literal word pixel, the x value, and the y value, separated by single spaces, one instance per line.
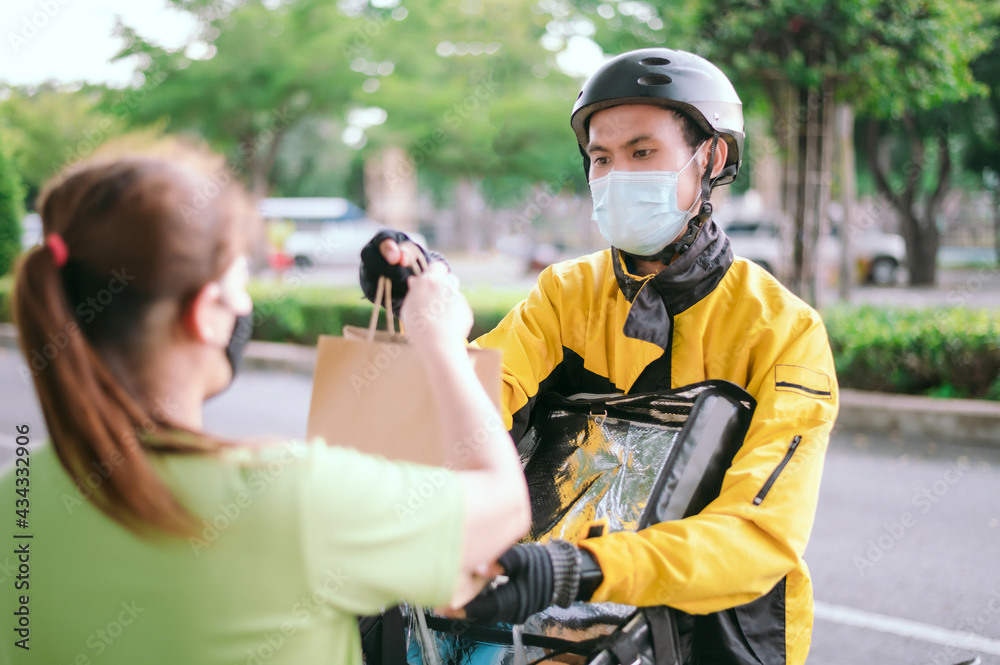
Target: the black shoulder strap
pixel 393 638
pixel 663 627
pixel 383 638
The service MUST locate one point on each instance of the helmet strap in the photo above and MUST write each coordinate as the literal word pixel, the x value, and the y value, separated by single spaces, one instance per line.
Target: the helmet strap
pixel 706 178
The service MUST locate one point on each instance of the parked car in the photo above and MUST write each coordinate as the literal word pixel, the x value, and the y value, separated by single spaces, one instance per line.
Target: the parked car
pixel 324 231
pixel 877 256
pixel 31 230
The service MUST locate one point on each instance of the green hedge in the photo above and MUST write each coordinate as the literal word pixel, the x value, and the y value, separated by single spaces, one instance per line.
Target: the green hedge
pixel 299 314
pixel 947 352
pixel 6 287
pixel 11 210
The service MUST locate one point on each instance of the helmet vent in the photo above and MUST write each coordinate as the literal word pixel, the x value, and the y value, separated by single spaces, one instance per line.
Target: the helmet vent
pixel 654 79
pixel 654 62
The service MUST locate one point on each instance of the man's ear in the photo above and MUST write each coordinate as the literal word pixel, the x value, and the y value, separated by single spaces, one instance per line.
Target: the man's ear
pixel 198 317
pixel 721 153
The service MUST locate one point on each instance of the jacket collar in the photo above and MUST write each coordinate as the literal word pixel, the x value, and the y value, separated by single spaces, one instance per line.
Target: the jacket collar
pixel 688 279
pixel 657 299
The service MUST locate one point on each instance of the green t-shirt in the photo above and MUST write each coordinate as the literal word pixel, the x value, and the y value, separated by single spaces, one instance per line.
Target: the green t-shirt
pixel 296 540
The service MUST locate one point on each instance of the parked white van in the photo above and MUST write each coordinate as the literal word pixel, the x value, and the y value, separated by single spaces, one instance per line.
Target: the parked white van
pixel 324 230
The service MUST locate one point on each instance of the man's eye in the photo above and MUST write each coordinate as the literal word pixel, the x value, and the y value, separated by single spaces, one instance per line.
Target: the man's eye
pixel 600 161
pixel 641 153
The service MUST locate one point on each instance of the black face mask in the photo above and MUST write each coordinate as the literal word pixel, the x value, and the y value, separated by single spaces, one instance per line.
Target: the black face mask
pixel 238 342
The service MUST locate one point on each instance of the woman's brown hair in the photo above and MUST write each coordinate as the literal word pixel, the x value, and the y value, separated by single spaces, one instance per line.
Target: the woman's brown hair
pixel 140 230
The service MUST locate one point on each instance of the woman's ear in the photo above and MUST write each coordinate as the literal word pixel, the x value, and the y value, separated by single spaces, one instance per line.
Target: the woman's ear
pixel 199 317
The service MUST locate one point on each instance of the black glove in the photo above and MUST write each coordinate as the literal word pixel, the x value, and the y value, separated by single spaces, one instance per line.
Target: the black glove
pixel 538 576
pixel 374 265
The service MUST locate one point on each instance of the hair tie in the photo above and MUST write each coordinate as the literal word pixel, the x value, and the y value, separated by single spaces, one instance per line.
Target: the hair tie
pixel 57 246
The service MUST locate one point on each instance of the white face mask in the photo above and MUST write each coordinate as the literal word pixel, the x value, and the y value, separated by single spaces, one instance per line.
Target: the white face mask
pixel 636 211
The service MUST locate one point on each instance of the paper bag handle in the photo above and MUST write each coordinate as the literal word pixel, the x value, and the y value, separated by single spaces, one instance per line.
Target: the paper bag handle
pixel 383 297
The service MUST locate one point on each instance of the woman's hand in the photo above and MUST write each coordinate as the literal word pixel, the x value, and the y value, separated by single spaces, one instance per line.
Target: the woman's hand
pixel 435 313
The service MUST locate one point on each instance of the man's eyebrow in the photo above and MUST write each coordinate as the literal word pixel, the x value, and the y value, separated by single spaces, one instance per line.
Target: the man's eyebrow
pixel 594 147
pixel 638 139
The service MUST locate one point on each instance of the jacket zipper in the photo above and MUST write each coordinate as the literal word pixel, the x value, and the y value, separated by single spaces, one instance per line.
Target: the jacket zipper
pixel 774 474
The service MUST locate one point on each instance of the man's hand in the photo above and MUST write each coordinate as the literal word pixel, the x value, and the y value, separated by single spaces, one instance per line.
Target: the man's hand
pixel 537 576
pixel 391 254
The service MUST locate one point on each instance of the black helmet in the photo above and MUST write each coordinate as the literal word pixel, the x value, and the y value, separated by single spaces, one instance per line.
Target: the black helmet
pixel 674 79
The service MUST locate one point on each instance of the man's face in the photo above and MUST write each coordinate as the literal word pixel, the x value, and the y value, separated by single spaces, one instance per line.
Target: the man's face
pixel 642 137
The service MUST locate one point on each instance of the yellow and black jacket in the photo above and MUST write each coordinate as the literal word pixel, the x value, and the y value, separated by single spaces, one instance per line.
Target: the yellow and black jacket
pixel 589 325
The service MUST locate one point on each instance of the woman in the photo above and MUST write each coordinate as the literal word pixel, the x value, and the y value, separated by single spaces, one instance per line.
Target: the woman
pixel 154 542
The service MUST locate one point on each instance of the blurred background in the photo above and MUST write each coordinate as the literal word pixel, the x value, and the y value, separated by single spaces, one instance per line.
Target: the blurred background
pixel 870 182
pixel 870 186
pixel 871 156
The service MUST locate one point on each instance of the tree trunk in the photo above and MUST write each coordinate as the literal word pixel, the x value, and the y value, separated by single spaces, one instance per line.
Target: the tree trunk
pixel 919 232
pixel 996 223
pixel 466 220
pixel 813 179
pixel 788 128
pixel 260 159
pixel 848 192
pixel 921 250
pixel 821 221
pixel 391 189
pixel 799 268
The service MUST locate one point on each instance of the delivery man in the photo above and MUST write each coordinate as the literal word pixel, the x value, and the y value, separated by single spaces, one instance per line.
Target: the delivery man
pixel 668 305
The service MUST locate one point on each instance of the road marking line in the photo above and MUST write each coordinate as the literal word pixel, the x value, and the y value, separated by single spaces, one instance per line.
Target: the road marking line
pixel 849 616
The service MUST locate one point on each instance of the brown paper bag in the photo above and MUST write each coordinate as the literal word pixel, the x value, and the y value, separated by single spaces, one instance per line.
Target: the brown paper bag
pixel 371 392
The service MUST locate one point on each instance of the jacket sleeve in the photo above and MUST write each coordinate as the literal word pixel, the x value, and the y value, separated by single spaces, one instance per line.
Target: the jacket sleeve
pixel 530 337
pixel 754 533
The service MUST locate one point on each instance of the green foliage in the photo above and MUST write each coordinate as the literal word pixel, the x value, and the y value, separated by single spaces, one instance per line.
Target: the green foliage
pixel 299 314
pixel 263 70
pixel 945 352
pixel 313 161
pixel 468 89
pixel 888 58
pixel 473 93
pixel 6 307
pixel 887 55
pixel 49 127
pixel 981 120
pixel 11 211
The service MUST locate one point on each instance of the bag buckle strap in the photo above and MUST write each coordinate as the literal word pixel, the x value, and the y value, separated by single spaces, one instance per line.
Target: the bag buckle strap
pixel 599 418
pixel 621 646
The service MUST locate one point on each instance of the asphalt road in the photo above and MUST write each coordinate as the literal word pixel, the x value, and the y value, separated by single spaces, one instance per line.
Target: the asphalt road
pixel 904 553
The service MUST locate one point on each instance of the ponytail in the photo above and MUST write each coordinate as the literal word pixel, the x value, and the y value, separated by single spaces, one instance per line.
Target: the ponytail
pixel 94 424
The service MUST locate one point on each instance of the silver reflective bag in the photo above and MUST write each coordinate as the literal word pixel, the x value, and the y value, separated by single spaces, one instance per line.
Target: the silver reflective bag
pixel 599 464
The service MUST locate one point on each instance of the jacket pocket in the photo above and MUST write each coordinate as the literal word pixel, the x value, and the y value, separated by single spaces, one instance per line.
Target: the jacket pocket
pixel 777 471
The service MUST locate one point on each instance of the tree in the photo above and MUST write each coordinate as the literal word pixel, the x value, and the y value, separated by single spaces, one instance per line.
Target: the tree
pixel 914 175
pixel 255 74
pixel 49 127
pixel 893 60
pixel 11 210
pixel 912 181
pixel 888 57
pixel 474 97
pixel 982 131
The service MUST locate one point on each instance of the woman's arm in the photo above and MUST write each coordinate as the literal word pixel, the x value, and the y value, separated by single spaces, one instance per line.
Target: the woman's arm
pixel 497 509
